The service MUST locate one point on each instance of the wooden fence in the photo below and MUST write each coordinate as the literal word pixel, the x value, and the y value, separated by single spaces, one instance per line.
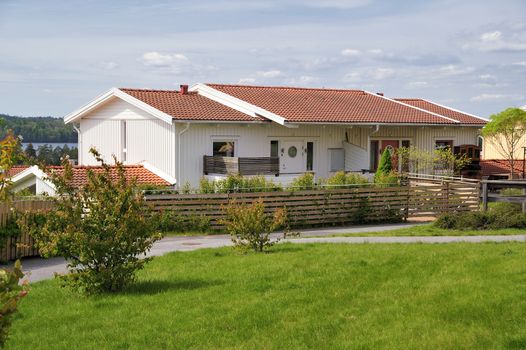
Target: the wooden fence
pixel 23 245
pixel 333 206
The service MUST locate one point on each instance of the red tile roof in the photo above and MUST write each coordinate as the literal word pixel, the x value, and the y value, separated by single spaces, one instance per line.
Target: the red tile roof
pixel 499 167
pixel 447 112
pixel 138 172
pixel 190 106
pixel 17 169
pixel 306 105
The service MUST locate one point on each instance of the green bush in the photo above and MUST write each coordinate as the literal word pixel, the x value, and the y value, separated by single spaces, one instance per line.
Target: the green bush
pixel 302 182
pixel 385 166
pixel 341 179
pixel 490 220
pixel 173 221
pixel 250 227
pixel 238 183
pixel 11 291
pixel 387 179
pixel 101 229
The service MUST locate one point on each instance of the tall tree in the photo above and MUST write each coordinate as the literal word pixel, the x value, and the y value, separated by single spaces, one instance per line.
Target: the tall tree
pixel 505 130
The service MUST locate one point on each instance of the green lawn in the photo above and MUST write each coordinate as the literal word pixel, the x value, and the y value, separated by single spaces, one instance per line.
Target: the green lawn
pixel 382 296
pixel 430 230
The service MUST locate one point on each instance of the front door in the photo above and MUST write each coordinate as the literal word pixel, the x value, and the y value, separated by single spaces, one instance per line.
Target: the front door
pixel 392 146
pixel 292 157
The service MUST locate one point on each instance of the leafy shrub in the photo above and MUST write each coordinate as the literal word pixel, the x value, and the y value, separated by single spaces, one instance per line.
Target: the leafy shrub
pixel 504 208
pixel 341 179
pixel 238 183
pixel 173 221
pixel 481 221
pixel 385 166
pixel 101 229
pixel 386 179
pixel 249 226
pixel 302 182
pixel 11 291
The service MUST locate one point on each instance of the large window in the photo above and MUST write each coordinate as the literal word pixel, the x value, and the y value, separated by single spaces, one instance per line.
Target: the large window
pixel 224 148
pixel 442 144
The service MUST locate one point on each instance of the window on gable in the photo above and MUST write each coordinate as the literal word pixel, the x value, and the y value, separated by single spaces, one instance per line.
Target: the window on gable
pixel 224 148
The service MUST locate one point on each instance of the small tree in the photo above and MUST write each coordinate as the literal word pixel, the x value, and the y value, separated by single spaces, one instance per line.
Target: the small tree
pixel 249 226
pixel 385 166
pixel 101 229
pixel 505 130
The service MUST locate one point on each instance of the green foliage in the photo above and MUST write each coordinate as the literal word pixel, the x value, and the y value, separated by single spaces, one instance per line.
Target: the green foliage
pixel 38 129
pixel 250 227
pixel 302 182
pixel 385 166
pixel 387 179
pixel 101 229
pixel 173 221
pixel 11 291
pixel 436 162
pixel 238 183
pixel 46 154
pixel 501 217
pixel 505 130
pixel 9 156
pixel 341 179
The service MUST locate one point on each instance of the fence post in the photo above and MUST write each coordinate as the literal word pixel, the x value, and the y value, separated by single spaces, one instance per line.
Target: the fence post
pixel 484 196
pixel 447 197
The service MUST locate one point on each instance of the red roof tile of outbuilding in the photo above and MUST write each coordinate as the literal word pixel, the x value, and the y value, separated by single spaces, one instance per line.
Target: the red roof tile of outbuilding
pixel 189 106
pixel 442 110
pixel 307 105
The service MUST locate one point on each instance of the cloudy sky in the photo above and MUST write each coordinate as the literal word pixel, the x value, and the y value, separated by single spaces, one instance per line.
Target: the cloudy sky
pixel 57 55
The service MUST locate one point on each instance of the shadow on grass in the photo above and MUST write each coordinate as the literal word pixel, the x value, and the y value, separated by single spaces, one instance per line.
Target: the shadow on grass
pixel 519 343
pixel 155 287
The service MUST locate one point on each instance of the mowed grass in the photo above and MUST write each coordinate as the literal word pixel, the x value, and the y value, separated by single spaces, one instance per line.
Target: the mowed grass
pixel 430 230
pixel 382 296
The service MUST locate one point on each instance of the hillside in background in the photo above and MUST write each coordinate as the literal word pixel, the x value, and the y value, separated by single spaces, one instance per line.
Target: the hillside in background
pixel 38 129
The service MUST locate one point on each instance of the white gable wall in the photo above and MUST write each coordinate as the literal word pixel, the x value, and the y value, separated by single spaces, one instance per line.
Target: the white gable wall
pixel 148 138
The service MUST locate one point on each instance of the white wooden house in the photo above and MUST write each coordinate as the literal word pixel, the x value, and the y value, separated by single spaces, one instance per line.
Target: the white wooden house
pixel 280 132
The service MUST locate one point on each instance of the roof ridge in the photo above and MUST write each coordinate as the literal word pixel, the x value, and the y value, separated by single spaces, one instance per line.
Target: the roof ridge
pixel 284 87
pixel 156 90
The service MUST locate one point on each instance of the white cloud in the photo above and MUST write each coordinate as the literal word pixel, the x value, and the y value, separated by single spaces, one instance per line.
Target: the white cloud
pixel 108 65
pixel 351 52
pixel 376 51
pixel 496 97
pixel 382 73
pixel 273 73
pixel 303 80
pixel 337 4
pixel 452 69
pixel 520 63
pixel 173 61
pixel 246 81
pixel 353 77
pixel 417 84
pixel 495 41
pixel 486 77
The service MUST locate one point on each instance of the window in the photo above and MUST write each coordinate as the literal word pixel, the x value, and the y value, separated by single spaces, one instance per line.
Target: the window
pixel 336 159
pixel 310 156
pixel 274 148
pixel 124 141
pixel 441 144
pixel 224 148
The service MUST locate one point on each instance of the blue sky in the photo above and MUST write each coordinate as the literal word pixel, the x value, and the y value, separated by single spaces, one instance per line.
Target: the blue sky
pixel 58 55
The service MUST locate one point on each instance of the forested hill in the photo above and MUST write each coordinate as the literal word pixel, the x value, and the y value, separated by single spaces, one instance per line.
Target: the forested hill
pixel 38 129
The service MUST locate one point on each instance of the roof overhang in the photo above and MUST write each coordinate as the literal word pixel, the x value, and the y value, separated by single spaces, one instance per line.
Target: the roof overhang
pixel 236 103
pixel 109 95
pixel 170 179
pixel 32 171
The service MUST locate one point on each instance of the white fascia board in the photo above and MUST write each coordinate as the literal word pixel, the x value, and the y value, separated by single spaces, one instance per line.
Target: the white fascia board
pixel 35 171
pixel 408 105
pixel 170 179
pixel 457 110
pixel 236 103
pixel 114 92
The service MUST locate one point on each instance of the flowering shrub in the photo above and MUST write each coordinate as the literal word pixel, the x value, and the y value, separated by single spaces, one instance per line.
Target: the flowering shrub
pixel 11 291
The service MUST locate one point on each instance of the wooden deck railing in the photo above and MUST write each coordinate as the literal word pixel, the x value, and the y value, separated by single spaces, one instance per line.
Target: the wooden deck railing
pixel 241 165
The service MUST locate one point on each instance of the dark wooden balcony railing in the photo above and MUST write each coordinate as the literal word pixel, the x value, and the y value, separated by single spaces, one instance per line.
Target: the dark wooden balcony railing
pixel 241 165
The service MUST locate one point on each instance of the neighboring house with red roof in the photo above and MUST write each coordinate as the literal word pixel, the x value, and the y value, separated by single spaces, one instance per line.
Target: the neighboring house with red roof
pixel 214 129
pixel 36 180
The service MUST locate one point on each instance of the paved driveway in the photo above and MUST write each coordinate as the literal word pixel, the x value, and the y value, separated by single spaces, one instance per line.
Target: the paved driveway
pixel 39 269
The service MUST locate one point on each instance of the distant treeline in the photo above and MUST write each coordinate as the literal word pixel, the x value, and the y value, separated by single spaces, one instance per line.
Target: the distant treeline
pixel 48 155
pixel 38 129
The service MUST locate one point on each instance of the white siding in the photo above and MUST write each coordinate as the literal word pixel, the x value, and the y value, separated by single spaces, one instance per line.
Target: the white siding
pixel 148 138
pixel 253 141
pixel 356 158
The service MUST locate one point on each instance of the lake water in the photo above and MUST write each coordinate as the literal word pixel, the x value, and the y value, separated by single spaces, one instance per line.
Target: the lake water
pixel 52 144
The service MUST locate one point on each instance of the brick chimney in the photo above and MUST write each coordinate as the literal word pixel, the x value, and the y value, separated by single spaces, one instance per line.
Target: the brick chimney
pixel 184 90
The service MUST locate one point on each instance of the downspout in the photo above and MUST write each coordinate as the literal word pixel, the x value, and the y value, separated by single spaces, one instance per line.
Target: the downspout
pixel 79 143
pixel 179 154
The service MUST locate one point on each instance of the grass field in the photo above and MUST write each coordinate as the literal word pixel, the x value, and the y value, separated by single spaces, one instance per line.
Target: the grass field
pixel 430 230
pixel 386 296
